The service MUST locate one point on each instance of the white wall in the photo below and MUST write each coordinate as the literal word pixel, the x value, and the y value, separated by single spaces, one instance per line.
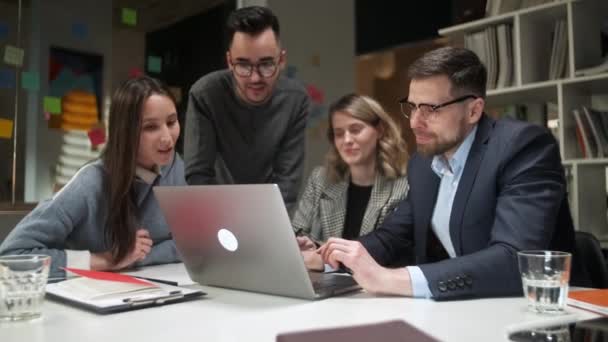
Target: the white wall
pixel 319 31
pixel 51 26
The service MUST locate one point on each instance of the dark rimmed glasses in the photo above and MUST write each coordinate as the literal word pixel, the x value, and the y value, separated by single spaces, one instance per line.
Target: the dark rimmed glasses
pixel 429 111
pixel 266 68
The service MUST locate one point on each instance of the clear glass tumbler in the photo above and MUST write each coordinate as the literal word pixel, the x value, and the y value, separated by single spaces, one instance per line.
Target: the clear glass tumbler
pixel 22 286
pixel 545 276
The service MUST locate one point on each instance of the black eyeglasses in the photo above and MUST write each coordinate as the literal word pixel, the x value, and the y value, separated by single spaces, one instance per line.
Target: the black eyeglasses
pixel 426 110
pixel 265 68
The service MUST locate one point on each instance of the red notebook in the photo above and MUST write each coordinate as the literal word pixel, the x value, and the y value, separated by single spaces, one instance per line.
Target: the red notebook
pixel 391 331
pixel 592 300
pixel 109 276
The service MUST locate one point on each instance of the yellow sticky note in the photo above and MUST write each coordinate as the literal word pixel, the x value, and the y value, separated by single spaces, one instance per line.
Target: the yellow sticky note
pixel 6 128
pixel 13 55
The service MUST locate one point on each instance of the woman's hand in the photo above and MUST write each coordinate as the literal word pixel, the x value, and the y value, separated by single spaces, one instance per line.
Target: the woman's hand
pixel 141 248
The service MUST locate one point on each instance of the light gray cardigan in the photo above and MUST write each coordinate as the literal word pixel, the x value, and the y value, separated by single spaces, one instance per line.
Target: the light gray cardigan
pixel 75 219
pixel 321 210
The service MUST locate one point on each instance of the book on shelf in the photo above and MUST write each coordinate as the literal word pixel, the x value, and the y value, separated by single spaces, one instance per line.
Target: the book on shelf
pixel 494 47
pixel 603 116
pixel 591 131
pixel 580 141
pixel 505 56
pixel 592 300
pixel 562 61
pixel 589 147
pixel 491 54
pixel 559 50
pixel 601 139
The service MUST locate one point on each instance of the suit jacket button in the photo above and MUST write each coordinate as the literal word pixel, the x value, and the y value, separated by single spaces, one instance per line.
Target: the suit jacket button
pixel 451 285
pixel 459 282
pixel 442 286
pixel 468 280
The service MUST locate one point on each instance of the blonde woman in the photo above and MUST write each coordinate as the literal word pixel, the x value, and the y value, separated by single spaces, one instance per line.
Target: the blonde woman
pixel 364 176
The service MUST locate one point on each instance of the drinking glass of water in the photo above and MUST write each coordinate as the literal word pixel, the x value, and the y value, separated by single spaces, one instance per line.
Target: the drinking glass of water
pixel 545 276
pixel 22 286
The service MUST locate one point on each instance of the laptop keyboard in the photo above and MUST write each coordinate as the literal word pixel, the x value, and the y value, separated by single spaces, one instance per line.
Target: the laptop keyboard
pixel 324 281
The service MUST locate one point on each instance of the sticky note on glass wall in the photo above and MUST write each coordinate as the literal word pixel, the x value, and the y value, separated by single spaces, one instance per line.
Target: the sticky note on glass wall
pixel 316 95
pixel 135 72
pixel 52 105
pixel 7 78
pixel 30 80
pixel 129 16
pixel 6 128
pixel 3 30
pixel 80 30
pixel 97 136
pixel 155 64
pixel 13 55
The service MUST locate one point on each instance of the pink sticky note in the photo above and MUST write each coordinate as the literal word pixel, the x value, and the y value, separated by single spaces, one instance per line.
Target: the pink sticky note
pixel 97 136
pixel 109 276
pixel 316 94
pixel 47 116
pixel 135 72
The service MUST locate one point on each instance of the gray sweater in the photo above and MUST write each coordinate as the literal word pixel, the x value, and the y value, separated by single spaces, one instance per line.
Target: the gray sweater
pixel 228 141
pixel 75 219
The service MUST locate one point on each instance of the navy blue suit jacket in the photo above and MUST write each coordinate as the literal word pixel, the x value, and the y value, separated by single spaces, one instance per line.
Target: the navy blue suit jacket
pixel 511 197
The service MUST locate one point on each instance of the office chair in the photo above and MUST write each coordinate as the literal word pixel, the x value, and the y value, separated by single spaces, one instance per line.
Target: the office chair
pixel 591 259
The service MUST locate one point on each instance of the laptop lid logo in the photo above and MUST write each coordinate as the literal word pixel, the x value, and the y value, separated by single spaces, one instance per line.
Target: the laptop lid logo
pixel 227 240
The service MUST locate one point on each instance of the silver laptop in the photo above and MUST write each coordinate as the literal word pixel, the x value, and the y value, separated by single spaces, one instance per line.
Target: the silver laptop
pixel 240 237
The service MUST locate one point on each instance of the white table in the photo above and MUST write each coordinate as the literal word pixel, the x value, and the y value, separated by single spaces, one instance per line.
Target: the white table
pixel 228 315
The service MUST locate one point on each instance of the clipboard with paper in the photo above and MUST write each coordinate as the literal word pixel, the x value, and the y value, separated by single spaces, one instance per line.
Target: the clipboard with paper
pixel 107 292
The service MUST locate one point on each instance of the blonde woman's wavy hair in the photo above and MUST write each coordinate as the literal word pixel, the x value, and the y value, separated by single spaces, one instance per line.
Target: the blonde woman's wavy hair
pixel 391 150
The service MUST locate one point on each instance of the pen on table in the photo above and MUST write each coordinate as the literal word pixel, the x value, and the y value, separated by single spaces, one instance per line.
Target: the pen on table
pixel 51 280
pixel 162 281
pixel 170 295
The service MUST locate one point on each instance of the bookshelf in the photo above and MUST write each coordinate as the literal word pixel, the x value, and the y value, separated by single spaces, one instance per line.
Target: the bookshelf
pixel 532 38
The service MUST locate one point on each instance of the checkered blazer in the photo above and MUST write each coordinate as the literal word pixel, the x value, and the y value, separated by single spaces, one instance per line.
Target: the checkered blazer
pixel 321 210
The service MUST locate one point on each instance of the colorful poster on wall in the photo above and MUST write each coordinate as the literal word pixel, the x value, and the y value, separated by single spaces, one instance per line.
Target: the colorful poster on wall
pixel 76 78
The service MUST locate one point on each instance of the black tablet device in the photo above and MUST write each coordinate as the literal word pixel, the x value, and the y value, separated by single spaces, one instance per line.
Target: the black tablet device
pixel 583 331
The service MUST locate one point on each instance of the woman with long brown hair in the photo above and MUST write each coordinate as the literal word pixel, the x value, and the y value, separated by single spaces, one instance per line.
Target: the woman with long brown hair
pixel 106 217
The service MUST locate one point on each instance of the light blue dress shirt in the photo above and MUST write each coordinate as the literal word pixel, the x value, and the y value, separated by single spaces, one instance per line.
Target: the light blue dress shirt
pixel 450 172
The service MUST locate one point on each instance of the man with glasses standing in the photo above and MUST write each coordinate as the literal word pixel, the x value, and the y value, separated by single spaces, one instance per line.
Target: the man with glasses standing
pixel 246 124
pixel 480 190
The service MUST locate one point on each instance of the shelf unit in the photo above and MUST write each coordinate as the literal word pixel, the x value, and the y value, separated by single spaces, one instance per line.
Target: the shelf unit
pixel 532 37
